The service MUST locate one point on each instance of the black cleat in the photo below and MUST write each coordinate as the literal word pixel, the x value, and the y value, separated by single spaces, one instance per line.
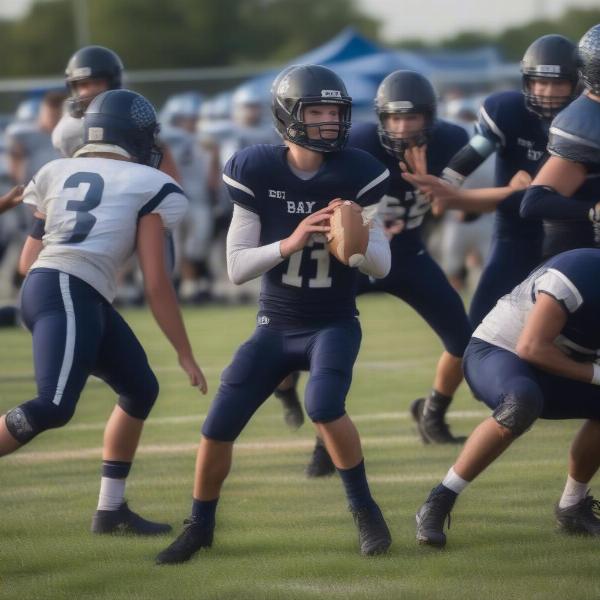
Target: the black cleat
pixel 432 426
pixel 320 464
pixel 373 534
pixel 195 535
pixel 579 519
pixel 432 516
pixel 124 521
pixel 293 414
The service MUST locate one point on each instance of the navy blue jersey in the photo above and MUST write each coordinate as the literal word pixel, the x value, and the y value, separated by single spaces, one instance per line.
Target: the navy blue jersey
pixel 520 138
pixel 581 268
pixel 402 202
pixel 575 133
pixel 311 285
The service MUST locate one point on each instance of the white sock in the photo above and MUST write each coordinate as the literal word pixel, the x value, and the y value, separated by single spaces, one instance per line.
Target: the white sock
pixel 112 492
pixel 454 482
pixel 575 491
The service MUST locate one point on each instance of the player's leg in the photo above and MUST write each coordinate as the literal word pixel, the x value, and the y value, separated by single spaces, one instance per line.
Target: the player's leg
pixel 257 367
pixel 423 285
pixel 287 393
pixel 576 511
pixel 332 354
pixel 123 364
pixel 510 387
pixel 58 310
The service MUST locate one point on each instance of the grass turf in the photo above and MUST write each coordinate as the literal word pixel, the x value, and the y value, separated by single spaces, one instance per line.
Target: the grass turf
pixel 279 535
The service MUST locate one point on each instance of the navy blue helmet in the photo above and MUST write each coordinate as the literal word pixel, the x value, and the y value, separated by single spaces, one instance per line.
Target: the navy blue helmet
pixel 126 119
pixel 549 57
pixel 589 53
pixel 303 85
pixel 91 62
pixel 404 92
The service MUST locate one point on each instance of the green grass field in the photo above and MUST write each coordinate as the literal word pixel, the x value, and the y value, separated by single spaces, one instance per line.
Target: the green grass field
pixel 280 535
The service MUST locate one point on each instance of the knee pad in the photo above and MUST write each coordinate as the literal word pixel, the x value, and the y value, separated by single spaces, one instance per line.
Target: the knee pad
pixel 325 397
pixel 19 426
pixel 518 412
pixel 140 404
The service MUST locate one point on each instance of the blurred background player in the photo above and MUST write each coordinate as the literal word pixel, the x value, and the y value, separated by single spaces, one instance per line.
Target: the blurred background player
pixel 91 212
pixel 307 317
pixel 179 118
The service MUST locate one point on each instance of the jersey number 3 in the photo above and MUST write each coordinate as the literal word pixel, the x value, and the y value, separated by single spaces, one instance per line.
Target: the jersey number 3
pixel 85 221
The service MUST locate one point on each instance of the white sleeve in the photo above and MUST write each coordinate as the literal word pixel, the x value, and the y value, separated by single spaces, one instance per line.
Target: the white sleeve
pixel 32 195
pixel 247 260
pixel 561 288
pixel 378 258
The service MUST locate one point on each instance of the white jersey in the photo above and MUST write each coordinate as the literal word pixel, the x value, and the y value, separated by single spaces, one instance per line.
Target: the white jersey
pixel 504 323
pixel 67 136
pixel 92 207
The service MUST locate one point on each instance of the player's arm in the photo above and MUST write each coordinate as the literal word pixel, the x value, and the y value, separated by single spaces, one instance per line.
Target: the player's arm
pixel 33 243
pixel 536 342
pixel 378 258
pixel 445 196
pixel 469 158
pixel 161 295
pixel 11 199
pixel 549 196
pixel 246 259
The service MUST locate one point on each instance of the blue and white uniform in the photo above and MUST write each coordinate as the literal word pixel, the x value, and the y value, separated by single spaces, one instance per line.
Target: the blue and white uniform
pixel 574 136
pixel 493 369
pixel 520 139
pixel 415 277
pixel 307 310
pixel 91 208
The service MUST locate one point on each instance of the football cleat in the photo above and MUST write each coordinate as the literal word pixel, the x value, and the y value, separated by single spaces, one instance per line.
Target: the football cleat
pixel 195 535
pixel 320 464
pixel 580 518
pixel 124 521
pixel 432 426
pixel 293 414
pixel 432 516
pixel 373 534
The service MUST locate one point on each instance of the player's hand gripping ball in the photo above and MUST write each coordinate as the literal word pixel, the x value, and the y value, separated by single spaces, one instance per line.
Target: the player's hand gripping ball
pixel 349 234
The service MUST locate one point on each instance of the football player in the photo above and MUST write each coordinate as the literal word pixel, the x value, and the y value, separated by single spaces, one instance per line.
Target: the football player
pixel 515 126
pixel 91 213
pixel 566 191
pixel 535 355
pixel 307 317
pixel 178 123
pixel 89 72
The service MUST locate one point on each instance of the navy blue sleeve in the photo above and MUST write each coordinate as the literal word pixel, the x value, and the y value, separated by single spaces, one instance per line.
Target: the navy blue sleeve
pixel 496 115
pixel 541 202
pixel 237 175
pixel 511 205
pixel 374 182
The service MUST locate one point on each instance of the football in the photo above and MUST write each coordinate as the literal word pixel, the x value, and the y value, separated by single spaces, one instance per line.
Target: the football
pixel 349 234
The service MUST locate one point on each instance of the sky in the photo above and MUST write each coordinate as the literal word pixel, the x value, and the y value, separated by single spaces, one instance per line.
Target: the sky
pixel 429 20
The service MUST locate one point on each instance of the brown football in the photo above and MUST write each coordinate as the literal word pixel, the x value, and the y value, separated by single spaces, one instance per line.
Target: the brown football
pixel 349 235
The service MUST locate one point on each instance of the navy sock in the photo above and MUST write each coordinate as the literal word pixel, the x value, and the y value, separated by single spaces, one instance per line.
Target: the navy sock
pixel 356 486
pixel 115 469
pixel 437 403
pixel 442 489
pixel 204 511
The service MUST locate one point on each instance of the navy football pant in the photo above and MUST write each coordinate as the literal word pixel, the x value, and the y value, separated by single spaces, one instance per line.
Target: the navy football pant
pixel 493 373
pixel 420 282
pixel 77 333
pixel 259 365
pixel 510 261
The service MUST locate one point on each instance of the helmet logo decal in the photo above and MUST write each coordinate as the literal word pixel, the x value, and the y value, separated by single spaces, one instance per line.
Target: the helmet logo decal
pixel 82 72
pixel 331 94
pixel 95 134
pixel 548 68
pixel 284 86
